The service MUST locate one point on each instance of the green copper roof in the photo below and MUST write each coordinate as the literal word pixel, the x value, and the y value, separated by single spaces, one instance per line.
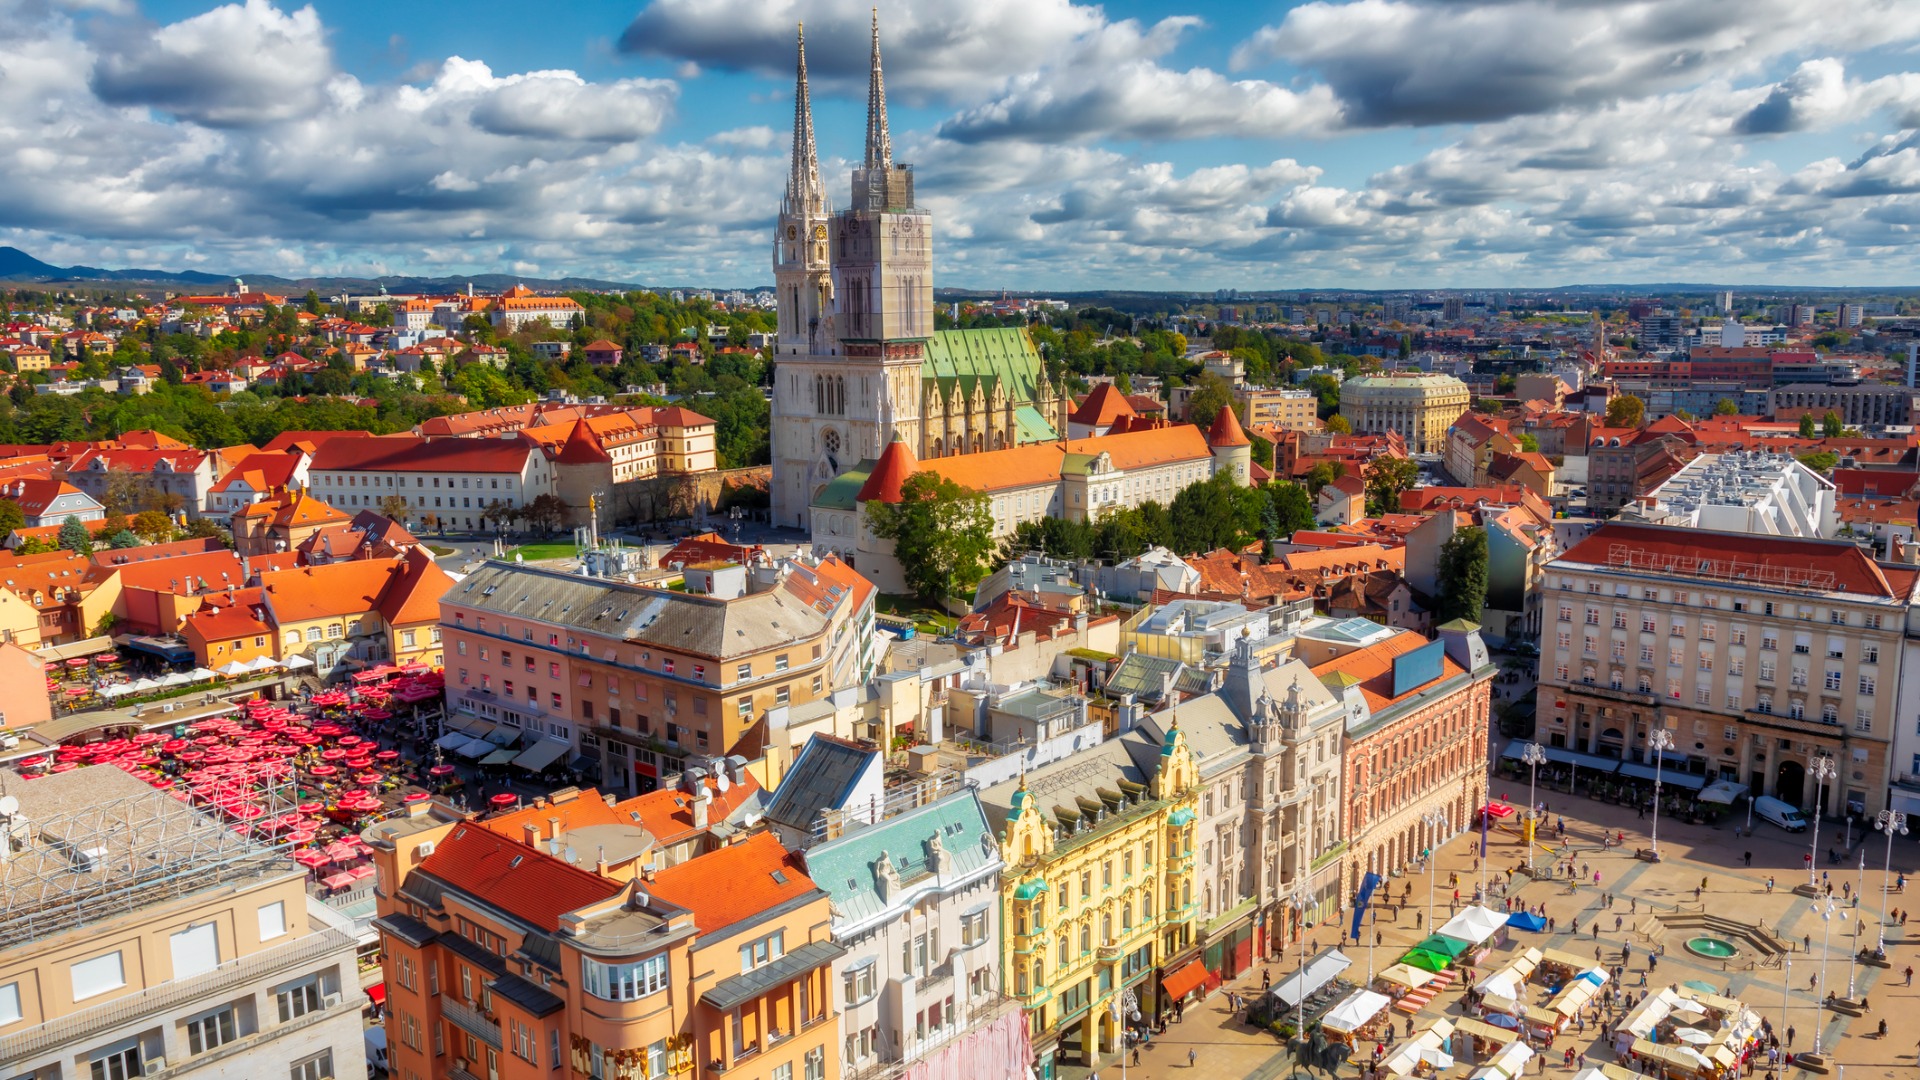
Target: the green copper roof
pixel 1075 464
pixel 843 867
pixel 1182 816
pixel 1005 355
pixel 1027 890
pixel 841 492
pixel 1033 427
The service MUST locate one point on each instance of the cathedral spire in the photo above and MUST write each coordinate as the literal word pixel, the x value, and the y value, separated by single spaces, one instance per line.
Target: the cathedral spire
pixel 879 143
pixel 803 175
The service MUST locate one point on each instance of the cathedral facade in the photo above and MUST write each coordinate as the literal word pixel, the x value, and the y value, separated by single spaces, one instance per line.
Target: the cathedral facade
pixel 857 362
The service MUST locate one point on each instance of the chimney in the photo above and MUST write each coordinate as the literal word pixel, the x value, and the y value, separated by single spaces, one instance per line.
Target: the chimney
pixel 600 865
pixel 532 834
pixel 553 828
pixel 700 806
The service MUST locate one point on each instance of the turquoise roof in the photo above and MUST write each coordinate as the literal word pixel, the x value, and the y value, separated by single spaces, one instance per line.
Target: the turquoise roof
pixel 1027 890
pixel 842 492
pixel 1033 427
pixel 843 867
pixel 1182 816
pixel 1005 355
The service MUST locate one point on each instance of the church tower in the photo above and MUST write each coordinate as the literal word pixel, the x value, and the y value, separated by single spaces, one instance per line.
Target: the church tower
pixel 883 281
pixel 802 279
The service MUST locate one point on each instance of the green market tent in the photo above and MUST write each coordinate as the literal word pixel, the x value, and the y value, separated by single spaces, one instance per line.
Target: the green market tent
pixel 1427 961
pixel 1452 948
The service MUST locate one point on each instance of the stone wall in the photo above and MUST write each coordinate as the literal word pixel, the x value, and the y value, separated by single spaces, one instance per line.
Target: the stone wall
pixel 663 498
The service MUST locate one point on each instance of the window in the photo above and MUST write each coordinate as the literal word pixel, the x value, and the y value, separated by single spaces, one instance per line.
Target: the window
pixel 1863 720
pixel 1837 618
pixel 1833 680
pixel 1646 624
pixel 1706 661
pixel 1566 612
pixel 762 952
pixel 1829 713
pixel 97 976
pixel 1769 640
pixel 298 999
pixel 273 920
pixel 744 707
pixel 625 982
pixel 1702 695
pixel 743 672
pixel 1766 671
pixel 1564 640
pixel 1646 654
pixel 973 928
pixel 1738 635
pixel 9 1003
pixel 1733 702
pixel 783 1071
pixel 120 1063
pixel 214 1029
pixel 317 1067
pixel 195 950
pixel 1593 616
pixel 1870 654
pixel 1619 620
pixel 816 1064
pixel 858 983
pixel 1866 685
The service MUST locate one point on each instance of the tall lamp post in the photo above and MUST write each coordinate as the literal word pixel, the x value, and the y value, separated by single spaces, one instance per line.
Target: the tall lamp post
pixel 1436 820
pixel 1534 756
pixel 1124 1007
pixel 1889 822
pixel 1853 962
pixel 1658 744
pixel 1821 769
pixel 1826 938
pixel 1301 896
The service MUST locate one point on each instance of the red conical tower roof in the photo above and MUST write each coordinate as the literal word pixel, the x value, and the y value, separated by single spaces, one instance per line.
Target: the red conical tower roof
pixel 889 473
pixel 581 448
pixel 1226 430
pixel 1102 407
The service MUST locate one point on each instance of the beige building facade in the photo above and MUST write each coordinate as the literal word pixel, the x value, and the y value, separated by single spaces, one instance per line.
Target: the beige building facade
pixel 1419 406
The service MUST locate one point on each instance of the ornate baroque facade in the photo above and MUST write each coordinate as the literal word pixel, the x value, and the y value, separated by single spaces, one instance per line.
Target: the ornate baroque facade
pixel 857 361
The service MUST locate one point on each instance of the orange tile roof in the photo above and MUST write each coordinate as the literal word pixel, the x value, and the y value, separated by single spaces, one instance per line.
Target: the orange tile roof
pixel 413 595
pixel 735 883
pixel 1789 561
pixel 889 474
pixel 1345 560
pixel 1102 406
pixel 228 616
pixel 522 881
pixel 1373 666
pixel 1226 430
pixel 332 589
pixel 588 810
pixel 183 575
pixel 668 814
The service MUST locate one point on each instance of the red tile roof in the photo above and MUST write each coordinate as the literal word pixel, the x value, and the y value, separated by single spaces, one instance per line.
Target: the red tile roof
pixel 522 881
pixel 889 474
pixel 1102 407
pixel 1226 430
pixel 1373 666
pixel 735 883
pixel 412 453
pixel 581 448
pixel 288 440
pixel 668 814
pixel 1786 562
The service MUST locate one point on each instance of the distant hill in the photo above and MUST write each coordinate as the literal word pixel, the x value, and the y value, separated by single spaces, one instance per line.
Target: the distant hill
pixel 18 266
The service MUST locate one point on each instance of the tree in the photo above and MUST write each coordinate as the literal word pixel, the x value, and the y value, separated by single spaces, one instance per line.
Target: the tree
pixel 1292 509
pixel 1324 473
pixel 1831 425
pixel 546 512
pixel 1487 405
pixel 1338 425
pixel 1820 461
pixel 1528 443
pixel 942 534
pixel 124 538
pixel 395 507
pixel 11 518
pixel 1725 407
pixel 1210 395
pixel 152 526
pixel 1626 411
pixel 209 529
pixel 1387 477
pixel 74 536
pixel 1462 577
pixel 1123 382
pixel 498 513
pixel 1807 430
pixel 35 545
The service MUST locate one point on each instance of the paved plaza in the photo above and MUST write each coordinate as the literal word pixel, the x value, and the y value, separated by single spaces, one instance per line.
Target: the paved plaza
pixel 1227 1047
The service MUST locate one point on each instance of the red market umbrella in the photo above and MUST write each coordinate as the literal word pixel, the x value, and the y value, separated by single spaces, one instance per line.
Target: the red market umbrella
pixel 337 881
pixel 349 740
pixel 416 796
pixel 440 770
pixel 367 779
pixel 333 754
pixel 65 766
pixel 323 770
pixel 505 798
pixel 310 807
pixel 310 858
pixel 387 755
pixel 377 714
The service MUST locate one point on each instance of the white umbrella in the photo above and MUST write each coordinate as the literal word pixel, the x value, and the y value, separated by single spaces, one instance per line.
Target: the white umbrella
pixel 263 663
pixel 200 674
pixel 142 686
pixel 295 663
pixel 176 678
pixel 235 668
pixel 1692 1035
pixel 114 690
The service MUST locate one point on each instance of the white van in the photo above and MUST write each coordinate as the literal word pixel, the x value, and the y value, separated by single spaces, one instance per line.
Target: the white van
pixel 376 1037
pixel 1783 814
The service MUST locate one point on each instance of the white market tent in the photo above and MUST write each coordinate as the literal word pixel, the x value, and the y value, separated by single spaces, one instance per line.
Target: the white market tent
pixel 1507 1063
pixel 1319 972
pixel 1474 925
pixel 1356 1011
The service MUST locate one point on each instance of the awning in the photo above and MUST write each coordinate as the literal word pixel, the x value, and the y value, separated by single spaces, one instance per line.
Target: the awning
pixel 1723 792
pixel 1499 811
pixel 71 649
pixel 502 736
pixel 1406 975
pixel 1562 756
pixel 1526 920
pixel 1319 971
pixel 377 993
pixel 498 757
pixel 731 993
pixel 541 754
pixel 1446 945
pixel 1667 775
pixel 1430 961
pixel 475 749
pixel 1185 980
pixel 1356 1011
pixel 177 652
pixel 1474 925
pixel 451 740
pixel 295 663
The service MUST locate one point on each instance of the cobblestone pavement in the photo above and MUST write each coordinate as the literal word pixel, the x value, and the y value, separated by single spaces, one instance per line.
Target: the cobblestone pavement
pixel 1226 1047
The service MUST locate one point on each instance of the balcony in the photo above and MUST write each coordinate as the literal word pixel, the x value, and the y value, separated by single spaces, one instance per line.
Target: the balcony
pixel 472 1021
pixel 78 1028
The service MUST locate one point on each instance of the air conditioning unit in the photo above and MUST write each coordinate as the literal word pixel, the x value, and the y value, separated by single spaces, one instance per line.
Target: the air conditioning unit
pixel 425 849
pixel 332 1001
pixel 154 1066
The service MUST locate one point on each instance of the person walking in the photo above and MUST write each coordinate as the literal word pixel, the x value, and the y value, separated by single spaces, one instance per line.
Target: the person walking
pixel 1191 1057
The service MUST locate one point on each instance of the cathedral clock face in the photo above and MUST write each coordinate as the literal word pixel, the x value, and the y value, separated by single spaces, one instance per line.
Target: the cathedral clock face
pixel 819 232
pixel 792 232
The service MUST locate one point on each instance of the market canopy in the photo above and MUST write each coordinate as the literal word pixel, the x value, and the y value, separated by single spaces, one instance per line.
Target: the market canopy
pixel 1354 1013
pixel 1185 980
pixel 451 740
pixel 1667 776
pixel 1447 945
pixel 295 663
pixel 1508 1062
pixel 541 754
pixel 1412 978
pixel 1526 920
pixel 475 749
pixel 1319 971
pixel 1430 961
pixel 498 757
pixel 1474 925
pixel 1723 792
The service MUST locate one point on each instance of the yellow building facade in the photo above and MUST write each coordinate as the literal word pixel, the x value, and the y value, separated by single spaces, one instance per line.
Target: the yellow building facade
pixel 1098 892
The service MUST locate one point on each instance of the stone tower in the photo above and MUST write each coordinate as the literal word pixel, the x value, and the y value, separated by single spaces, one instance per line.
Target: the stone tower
pixel 803 280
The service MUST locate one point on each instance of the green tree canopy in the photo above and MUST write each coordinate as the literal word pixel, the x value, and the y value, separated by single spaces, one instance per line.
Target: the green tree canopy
pixel 1725 407
pixel 1807 429
pixel 1528 443
pixel 1291 510
pixel 11 518
pixel 942 534
pixel 1831 425
pixel 1338 425
pixel 1386 479
pixel 1626 411
pixel 1210 395
pixel 74 536
pixel 1462 578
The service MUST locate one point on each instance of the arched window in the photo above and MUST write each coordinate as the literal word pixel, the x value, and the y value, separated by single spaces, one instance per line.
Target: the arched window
pixel 1126 916
pixel 1086 938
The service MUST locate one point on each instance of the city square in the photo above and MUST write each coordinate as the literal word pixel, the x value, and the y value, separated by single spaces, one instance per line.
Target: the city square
pixel 1702 870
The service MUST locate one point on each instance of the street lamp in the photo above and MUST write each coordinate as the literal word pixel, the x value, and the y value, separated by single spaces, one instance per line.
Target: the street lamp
pixel 1124 1007
pixel 1658 744
pixel 1533 756
pixel 1301 896
pixel 1826 938
pixel 1889 822
pixel 1853 961
pixel 1436 820
pixel 1821 769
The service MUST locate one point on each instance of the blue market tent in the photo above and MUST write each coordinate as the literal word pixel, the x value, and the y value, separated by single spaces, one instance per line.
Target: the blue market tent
pixel 1526 920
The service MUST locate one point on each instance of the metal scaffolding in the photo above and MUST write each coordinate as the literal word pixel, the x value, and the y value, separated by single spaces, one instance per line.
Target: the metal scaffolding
pixel 88 846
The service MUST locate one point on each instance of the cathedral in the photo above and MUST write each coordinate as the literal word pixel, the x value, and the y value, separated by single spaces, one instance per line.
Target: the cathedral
pixel 857 362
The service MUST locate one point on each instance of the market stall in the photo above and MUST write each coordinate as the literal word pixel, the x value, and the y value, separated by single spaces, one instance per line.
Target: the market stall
pixel 1478 1040
pixel 1482 928
pixel 1557 968
pixel 1578 992
pixel 1511 980
pixel 1359 1016
pixel 1426 1054
pixel 1507 1063
pixel 1400 979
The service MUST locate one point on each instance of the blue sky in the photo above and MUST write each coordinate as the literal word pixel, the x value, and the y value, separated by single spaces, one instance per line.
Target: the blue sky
pixel 1366 143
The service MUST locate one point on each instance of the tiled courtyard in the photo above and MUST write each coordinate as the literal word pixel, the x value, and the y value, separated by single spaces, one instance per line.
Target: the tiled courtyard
pixel 1226 1047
